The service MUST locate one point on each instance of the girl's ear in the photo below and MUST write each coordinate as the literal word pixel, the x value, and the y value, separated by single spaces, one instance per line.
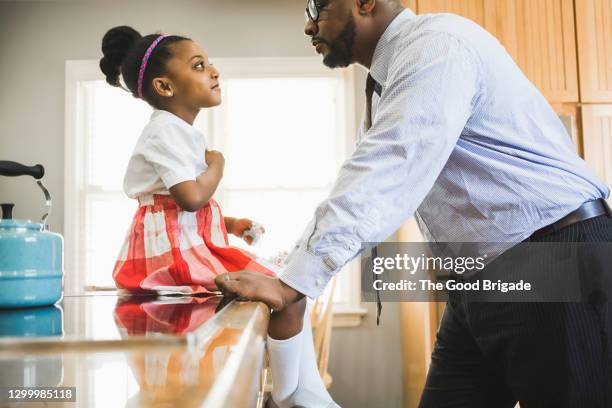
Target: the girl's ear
pixel 163 87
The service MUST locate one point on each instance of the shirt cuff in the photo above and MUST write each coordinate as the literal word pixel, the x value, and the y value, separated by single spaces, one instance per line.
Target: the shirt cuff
pixel 307 273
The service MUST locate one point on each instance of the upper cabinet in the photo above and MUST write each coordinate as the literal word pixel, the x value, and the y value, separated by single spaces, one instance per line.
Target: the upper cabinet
pixel 411 4
pixel 594 35
pixel 539 34
pixel 472 9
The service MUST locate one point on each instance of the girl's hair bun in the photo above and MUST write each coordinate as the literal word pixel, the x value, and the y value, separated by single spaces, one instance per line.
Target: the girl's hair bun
pixel 116 44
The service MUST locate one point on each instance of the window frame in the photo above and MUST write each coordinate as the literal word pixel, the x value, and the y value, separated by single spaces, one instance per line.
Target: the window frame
pixel 75 153
pixel 347 314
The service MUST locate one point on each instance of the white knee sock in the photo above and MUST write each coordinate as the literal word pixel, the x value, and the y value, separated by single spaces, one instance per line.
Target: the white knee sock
pixel 285 358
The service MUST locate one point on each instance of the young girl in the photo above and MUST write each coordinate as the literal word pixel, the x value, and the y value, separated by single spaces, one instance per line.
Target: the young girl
pixel 177 242
pixel 178 239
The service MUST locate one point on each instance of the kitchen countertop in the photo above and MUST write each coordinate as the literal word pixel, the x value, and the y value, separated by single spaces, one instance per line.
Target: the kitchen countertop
pixel 137 351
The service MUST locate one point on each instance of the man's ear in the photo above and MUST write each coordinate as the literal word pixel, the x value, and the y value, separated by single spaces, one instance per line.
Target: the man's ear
pixel 162 86
pixel 366 6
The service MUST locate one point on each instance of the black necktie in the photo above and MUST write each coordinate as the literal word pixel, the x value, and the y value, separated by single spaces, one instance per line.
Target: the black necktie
pixel 371 86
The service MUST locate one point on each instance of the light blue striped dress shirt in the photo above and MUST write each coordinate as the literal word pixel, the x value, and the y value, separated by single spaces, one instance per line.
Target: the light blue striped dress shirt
pixel 460 139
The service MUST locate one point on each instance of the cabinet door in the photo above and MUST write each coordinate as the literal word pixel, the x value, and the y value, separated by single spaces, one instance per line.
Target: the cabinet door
pixel 597 135
pixel 569 113
pixel 472 9
pixel 538 34
pixel 411 4
pixel 594 33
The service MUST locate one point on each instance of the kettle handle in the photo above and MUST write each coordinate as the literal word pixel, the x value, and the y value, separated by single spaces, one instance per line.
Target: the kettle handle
pixel 14 169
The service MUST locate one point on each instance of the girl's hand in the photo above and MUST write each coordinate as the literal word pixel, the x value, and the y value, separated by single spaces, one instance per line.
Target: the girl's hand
pixel 241 225
pixel 193 195
pixel 214 158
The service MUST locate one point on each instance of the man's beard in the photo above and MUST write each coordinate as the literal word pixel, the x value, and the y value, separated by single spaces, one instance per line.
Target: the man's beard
pixel 341 51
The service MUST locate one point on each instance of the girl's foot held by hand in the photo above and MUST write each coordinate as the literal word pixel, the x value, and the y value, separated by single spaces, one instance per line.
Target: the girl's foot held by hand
pixel 252 286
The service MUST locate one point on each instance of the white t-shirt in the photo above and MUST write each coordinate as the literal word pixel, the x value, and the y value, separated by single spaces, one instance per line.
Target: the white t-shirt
pixel 169 151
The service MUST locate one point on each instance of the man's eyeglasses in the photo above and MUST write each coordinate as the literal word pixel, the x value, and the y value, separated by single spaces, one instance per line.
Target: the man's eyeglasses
pixel 312 12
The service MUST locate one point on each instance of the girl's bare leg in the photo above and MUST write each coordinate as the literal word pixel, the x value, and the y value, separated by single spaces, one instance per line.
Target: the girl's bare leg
pixel 288 322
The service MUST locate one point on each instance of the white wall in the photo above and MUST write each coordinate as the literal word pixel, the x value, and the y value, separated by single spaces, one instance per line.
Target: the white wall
pixel 37 37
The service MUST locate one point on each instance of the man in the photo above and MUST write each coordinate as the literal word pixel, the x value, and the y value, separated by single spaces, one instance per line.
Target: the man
pixel 456 135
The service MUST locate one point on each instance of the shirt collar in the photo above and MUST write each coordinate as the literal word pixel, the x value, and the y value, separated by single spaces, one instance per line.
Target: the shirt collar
pixel 383 52
pixel 165 116
pixel 160 113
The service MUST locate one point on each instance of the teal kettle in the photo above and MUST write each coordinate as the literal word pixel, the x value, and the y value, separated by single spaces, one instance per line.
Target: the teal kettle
pixel 31 257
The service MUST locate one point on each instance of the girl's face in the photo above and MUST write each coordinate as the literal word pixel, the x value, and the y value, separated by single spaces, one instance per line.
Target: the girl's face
pixel 194 81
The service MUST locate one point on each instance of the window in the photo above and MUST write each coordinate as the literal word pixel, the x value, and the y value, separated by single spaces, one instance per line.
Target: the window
pixel 102 124
pixel 285 127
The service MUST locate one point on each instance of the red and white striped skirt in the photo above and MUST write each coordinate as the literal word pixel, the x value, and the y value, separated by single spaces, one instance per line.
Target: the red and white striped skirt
pixel 172 251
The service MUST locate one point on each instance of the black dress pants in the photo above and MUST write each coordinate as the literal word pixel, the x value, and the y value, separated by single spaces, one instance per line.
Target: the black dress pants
pixel 493 355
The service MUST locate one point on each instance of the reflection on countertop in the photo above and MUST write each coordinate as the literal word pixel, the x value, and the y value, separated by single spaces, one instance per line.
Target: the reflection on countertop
pixel 138 351
pixel 31 322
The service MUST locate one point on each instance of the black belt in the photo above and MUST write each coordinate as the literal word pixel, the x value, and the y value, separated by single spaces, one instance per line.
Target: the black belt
pixel 588 210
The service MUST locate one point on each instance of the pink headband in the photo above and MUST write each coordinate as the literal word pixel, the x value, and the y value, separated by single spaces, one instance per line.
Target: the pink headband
pixel 145 59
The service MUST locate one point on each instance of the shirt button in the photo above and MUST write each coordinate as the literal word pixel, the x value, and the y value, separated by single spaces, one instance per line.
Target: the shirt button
pixel 320 281
pixel 329 263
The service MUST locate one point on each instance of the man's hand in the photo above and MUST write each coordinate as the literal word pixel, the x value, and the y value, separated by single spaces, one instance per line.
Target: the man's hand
pixel 255 286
